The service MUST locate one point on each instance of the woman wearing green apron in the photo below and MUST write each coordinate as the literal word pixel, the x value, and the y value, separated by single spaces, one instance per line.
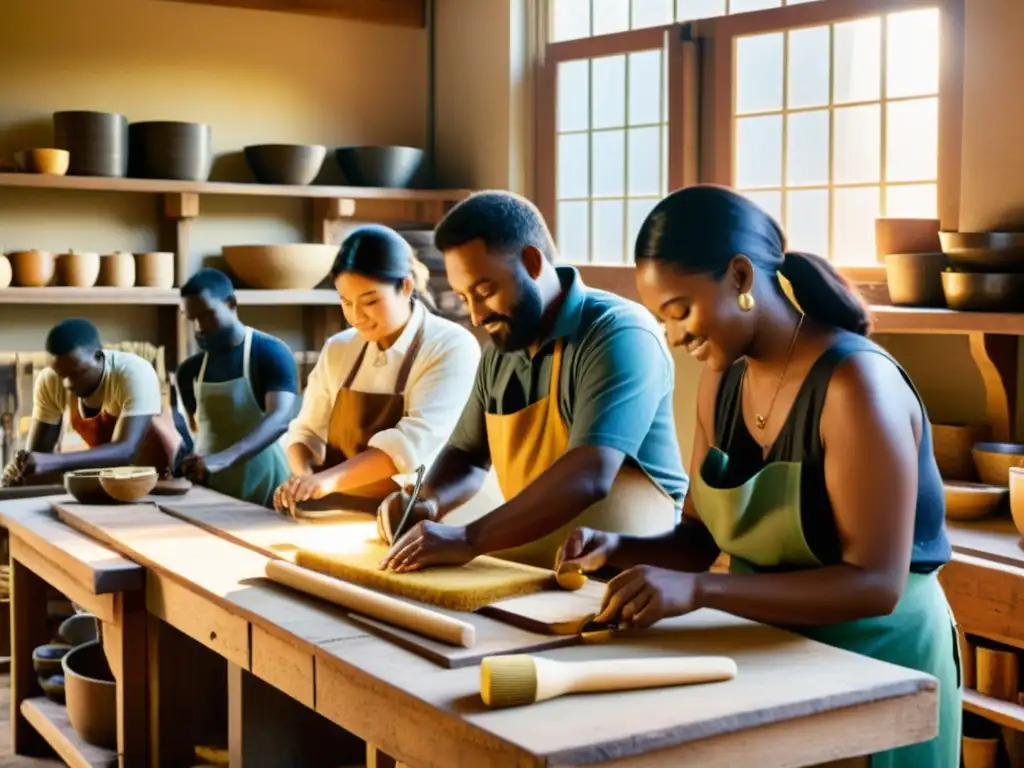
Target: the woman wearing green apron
pixel 239 394
pixel 385 393
pixel 813 468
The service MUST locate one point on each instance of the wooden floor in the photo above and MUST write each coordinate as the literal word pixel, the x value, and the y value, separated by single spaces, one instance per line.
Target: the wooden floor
pixel 6 759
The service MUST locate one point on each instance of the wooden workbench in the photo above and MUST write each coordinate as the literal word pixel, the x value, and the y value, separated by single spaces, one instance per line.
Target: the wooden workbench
pixel 794 703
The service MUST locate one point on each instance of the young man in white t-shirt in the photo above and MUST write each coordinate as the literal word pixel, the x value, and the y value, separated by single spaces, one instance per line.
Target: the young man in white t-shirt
pixel 111 399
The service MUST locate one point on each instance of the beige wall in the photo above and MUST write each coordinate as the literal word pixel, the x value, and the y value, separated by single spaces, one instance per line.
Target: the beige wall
pixel 255 76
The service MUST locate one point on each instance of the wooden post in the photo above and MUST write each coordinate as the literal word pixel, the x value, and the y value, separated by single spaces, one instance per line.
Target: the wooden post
pixel 29 630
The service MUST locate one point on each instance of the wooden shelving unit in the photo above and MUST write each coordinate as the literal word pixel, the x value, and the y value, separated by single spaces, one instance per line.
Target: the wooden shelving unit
pixel 51 721
pixel 401 13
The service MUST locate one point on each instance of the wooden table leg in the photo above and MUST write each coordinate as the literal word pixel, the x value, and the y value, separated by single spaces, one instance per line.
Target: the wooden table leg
pixel 267 729
pixel 28 631
pixel 124 642
pixel 377 759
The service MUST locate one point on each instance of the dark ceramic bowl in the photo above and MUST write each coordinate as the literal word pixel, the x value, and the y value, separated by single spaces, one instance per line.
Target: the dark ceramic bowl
pixel 984 251
pixel 983 291
pixel 164 149
pixel 294 164
pixel 915 279
pixel 368 166
pixel 46 658
pixel 53 687
pixel 84 485
pixel 91 694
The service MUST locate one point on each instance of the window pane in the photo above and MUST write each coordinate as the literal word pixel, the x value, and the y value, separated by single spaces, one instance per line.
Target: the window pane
pixel 912 140
pixel 573 232
pixel 913 201
pixel 573 161
pixel 608 99
pixel 644 161
pixel 637 210
pixel 759 152
pixel 741 6
pixel 759 73
pixel 807 149
pixel 608 164
pixel 607 228
pixel 645 87
pixel 855 212
pixel 808 67
pixel 573 95
pixel 912 53
pixel 858 145
pixel 857 60
pixel 664 166
pixel 687 10
pixel 570 19
pixel 651 13
pixel 807 225
pixel 770 201
pixel 611 16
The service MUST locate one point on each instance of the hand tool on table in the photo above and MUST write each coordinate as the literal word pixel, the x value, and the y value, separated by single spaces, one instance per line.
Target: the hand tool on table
pixel 517 679
pixel 392 536
pixel 423 621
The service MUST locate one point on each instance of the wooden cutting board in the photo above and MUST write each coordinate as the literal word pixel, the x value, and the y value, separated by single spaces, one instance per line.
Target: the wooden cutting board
pixel 552 612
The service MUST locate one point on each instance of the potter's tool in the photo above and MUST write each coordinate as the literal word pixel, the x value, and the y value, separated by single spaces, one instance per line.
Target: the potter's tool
pixel 394 535
pixel 570 576
pixel 514 680
pixel 423 621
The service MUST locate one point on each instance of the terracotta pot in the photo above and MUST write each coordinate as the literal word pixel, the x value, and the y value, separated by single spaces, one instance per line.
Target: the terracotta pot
pixel 906 236
pixel 91 695
pixel 952 444
pixel 997 671
pixel 32 269
pixel 915 279
pixel 117 270
pixel 980 753
pixel 1017 498
pixel 970 501
pixel 78 270
pixel 6 274
pixel 154 269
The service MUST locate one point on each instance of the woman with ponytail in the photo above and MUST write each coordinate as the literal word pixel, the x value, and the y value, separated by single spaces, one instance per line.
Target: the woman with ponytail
pixel 812 464
pixel 386 392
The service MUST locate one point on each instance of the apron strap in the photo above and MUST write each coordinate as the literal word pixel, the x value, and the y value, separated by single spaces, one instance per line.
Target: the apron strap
pixel 246 354
pixel 355 367
pixel 410 358
pixel 246 349
pixel 554 413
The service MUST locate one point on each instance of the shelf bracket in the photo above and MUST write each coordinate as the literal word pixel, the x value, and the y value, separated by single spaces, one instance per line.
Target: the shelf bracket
pixel 178 211
pixel 996 358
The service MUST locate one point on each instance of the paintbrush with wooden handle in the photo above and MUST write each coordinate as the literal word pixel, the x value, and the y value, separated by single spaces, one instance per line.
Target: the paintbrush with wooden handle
pixel 514 680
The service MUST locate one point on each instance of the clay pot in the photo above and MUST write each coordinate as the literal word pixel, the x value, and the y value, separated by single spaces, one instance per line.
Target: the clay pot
pixel 97 141
pixel 32 269
pixel 971 501
pixel 78 270
pixel 53 162
pixel 952 444
pixel 84 485
pixel 117 270
pixel 980 753
pixel 994 460
pixel 915 279
pixel 155 269
pixel 46 658
pixel 128 484
pixel 91 695
pixel 1017 498
pixel 280 267
pixel 5 271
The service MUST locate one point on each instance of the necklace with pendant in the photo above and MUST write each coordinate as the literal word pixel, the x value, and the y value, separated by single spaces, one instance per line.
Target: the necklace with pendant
pixel 762 421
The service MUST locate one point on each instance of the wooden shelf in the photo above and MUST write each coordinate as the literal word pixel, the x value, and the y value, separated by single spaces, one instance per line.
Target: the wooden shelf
pixel 51 721
pixel 402 13
pixel 998 711
pixel 316 297
pixel 162 186
pixel 914 320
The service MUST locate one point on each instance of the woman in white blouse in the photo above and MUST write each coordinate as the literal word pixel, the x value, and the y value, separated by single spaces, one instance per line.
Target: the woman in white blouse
pixel 385 393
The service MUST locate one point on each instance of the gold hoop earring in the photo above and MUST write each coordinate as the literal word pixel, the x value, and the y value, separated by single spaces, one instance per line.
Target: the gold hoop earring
pixel 746 301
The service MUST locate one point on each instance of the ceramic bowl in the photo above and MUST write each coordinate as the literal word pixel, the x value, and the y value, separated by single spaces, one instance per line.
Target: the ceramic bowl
pixel 295 164
pixel 32 269
pixel 373 166
pixel 128 484
pixel 994 460
pixel 970 501
pixel 52 162
pixel 983 291
pixel 53 687
pixel 46 658
pixel 984 251
pixel 84 485
pixel 915 279
pixel 77 269
pixel 952 444
pixel 294 266
pixel 78 629
pixel 91 695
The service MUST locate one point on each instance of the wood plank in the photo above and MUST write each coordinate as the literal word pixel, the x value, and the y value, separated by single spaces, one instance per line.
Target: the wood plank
pixel 987 597
pixel 58 295
pixel 167 186
pixel 998 711
pixel 51 720
pixel 102 606
pixel 993 539
pixel 575 730
pixel 98 569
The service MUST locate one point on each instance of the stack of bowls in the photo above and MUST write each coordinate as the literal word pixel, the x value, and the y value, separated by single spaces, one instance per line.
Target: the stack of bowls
pixel 913 260
pixel 986 271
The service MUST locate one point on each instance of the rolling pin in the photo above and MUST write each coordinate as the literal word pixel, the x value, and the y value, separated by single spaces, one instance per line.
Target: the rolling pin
pixel 388 609
pixel 517 679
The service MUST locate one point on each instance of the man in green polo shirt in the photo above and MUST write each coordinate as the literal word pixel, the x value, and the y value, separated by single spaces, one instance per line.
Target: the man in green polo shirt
pixel 572 405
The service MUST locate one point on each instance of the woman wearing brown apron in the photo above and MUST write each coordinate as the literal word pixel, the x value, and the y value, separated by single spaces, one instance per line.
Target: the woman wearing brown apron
pixel 386 392
pixel 813 467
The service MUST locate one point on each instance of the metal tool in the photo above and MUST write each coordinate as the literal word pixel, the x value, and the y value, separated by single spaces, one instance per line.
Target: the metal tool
pixel 420 472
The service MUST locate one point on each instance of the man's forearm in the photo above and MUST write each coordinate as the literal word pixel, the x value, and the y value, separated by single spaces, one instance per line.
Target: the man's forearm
pixel 577 480
pixel 366 468
pixel 111 454
pixel 301 458
pixel 454 479
pixel 263 435
pixel 687 547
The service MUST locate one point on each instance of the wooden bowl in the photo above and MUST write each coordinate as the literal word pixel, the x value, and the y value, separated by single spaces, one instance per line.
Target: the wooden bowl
pixel 906 236
pixel 915 279
pixel 78 270
pixel 295 164
pixel 53 162
pixel 1017 498
pixel 128 484
pixel 281 267
pixel 985 251
pixel 84 485
pixel 970 501
pixel 91 695
pixel 952 444
pixel 32 269
pixel 154 269
pixel 994 460
pixel 983 291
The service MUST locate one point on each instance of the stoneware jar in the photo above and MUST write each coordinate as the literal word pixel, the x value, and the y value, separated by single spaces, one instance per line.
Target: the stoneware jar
pixel 154 270
pixel 32 269
pixel 78 270
pixel 117 270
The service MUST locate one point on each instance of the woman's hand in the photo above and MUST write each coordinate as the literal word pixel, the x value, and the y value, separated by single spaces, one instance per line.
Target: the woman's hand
pixel 645 594
pixel 390 511
pixel 587 548
pixel 297 489
pixel 427 544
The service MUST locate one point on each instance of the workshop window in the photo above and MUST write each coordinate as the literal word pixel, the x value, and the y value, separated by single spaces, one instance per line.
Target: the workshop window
pixel 828 113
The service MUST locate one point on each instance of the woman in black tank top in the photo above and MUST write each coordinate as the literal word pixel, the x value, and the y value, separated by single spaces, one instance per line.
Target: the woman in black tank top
pixel 812 466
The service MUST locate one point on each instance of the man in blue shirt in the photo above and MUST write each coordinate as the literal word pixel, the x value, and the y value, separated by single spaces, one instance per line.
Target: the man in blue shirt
pixel 572 405
pixel 240 392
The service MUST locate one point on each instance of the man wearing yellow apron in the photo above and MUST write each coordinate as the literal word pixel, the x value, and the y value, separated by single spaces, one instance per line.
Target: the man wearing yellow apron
pixel 572 404
pixel 239 393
